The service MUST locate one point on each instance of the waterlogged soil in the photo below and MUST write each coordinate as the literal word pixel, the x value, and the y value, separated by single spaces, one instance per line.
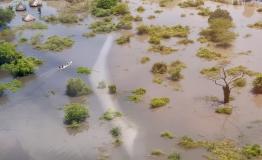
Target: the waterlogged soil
pixel 31 120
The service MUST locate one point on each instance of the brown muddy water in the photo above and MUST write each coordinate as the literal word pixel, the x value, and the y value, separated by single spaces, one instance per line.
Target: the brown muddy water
pixel 31 120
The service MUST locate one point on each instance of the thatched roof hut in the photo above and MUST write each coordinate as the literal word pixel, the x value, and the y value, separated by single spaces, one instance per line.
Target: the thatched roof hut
pixel 35 3
pixel 28 18
pixel 20 7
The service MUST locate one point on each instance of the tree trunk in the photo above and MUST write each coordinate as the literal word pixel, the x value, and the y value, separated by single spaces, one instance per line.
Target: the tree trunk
pixel 226 91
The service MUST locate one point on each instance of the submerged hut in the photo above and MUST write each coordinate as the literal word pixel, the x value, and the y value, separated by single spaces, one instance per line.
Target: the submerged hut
pixel 35 3
pixel 28 18
pixel 20 7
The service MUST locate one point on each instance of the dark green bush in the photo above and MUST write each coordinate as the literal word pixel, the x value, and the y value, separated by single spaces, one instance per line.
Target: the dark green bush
pixel 257 84
pixel 75 113
pixel 106 4
pixel 13 86
pixel 219 14
pixel 112 89
pixel 8 53
pixel 83 70
pixel 77 87
pixel 6 15
pixel 252 151
pixel 121 9
pixel 159 67
pixel 159 102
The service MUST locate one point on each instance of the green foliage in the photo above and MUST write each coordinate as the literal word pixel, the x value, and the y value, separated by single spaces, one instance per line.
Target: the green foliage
pixel 219 14
pixel 159 67
pixel 110 114
pixel 112 89
pixel 121 9
pixel 125 22
pixel 191 3
pixel 175 69
pixel 164 50
pixel 7 35
pixel 188 143
pixel 140 9
pixel 164 3
pixel 240 69
pixel 185 41
pixel 167 135
pixel 77 87
pixel 257 84
pixel 75 113
pixel 8 53
pixel 241 82
pixel 159 102
pixel 123 39
pixel 64 17
pixel 257 25
pixel 204 11
pixel 157 152
pixel 22 67
pixel 83 70
pixel 142 29
pixel 56 43
pixel 226 109
pixel 174 156
pixel 138 18
pixel 6 15
pixel 218 31
pixel 252 151
pixel 207 54
pixel 32 25
pixel 212 72
pixel 151 17
pixel 103 26
pixel 106 4
pixel 115 132
pixel 144 60
pixel 137 95
pixel 13 86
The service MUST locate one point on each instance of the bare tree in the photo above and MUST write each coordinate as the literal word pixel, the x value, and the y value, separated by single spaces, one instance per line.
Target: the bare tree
pixel 223 78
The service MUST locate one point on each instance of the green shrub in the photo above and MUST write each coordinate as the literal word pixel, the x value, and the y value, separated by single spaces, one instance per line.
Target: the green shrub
pixel 13 86
pixel 164 50
pixel 142 29
pixel 241 82
pixel 185 41
pixel 106 4
pixel 75 113
pixel 174 156
pixel 144 60
pixel 207 54
pixel 137 95
pixel 67 18
pixel 123 39
pixel 204 11
pixel 110 114
pixel 103 26
pixel 138 18
pixel 159 67
pixel 121 9
pixel 83 70
pixel 115 132
pixel 22 67
pixel 77 87
pixel 224 109
pixel 112 89
pixel 157 152
pixel 167 135
pixel 252 151
pixel 6 15
pixel 257 84
pixel 32 25
pixel 140 9
pixel 159 102
pixel 219 14
pixel 89 34
pixel 175 74
pixel 191 3
pixel 8 53
pixel 164 3
pixel 56 43
pixel 124 24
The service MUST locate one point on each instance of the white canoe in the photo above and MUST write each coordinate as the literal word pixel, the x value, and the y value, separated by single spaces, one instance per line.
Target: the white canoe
pixel 66 65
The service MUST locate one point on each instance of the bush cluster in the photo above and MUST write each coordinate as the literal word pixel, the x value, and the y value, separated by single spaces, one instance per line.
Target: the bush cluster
pixel 75 113
pixel 77 87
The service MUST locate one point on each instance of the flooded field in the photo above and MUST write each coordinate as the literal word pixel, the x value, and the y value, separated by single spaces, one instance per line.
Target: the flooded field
pixel 32 119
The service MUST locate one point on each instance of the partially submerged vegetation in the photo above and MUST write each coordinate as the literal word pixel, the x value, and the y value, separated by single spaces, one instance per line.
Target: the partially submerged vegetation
pixel 77 87
pixel 208 54
pixel 112 89
pixel 116 134
pixel 159 102
pixel 6 15
pixel 13 86
pixel 83 70
pixel 191 3
pixel 224 109
pixel 110 114
pixel 144 60
pixel 33 26
pixel 54 43
pixel 167 135
pixel 159 68
pixel 257 84
pixel 75 113
pixel 257 25
pixel 175 69
pixel 137 95
pixel 164 50
pixel 123 39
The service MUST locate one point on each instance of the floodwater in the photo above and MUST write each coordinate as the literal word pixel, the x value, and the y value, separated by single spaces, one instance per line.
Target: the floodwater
pixel 31 120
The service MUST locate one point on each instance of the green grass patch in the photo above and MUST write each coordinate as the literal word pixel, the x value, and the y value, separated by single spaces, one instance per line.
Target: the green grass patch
pixel 208 54
pixel 159 102
pixel 110 114
pixel 83 70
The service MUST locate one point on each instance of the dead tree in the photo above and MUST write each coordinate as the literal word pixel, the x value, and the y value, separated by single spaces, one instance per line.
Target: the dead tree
pixel 226 81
